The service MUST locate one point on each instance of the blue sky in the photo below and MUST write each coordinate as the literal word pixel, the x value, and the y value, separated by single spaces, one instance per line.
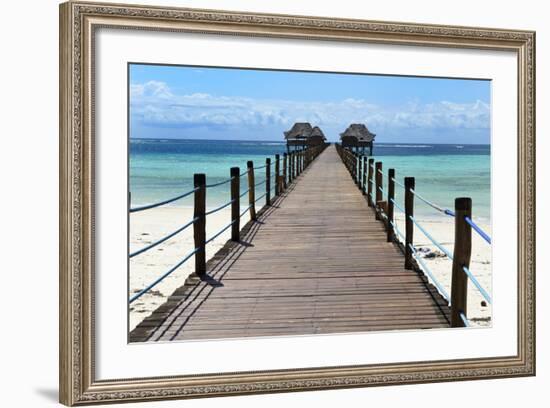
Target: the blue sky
pixel 221 103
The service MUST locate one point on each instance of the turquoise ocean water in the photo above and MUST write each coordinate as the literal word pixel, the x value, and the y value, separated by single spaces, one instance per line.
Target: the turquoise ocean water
pixel 163 168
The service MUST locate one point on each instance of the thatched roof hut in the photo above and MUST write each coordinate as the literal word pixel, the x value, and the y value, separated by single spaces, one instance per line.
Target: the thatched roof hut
pixel 300 130
pixel 357 135
pixel 316 137
pixel 297 136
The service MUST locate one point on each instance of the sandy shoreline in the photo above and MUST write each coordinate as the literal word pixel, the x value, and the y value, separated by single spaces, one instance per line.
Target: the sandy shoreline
pixel 148 226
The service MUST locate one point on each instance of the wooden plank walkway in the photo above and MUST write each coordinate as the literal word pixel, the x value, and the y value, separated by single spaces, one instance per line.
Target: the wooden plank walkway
pixel 316 261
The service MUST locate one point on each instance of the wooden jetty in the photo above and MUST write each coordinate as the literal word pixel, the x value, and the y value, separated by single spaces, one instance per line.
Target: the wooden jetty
pixel 315 260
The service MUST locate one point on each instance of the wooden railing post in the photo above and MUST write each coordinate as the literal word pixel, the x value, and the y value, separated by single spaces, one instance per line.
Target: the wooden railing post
pixel 251 192
pixel 391 198
pixel 461 259
pixel 369 186
pixel 267 181
pixel 355 168
pixel 378 184
pixel 284 170
pixel 199 227
pixel 359 170
pixel 277 175
pixel 409 226
pixel 364 188
pixel 292 166
pixel 236 203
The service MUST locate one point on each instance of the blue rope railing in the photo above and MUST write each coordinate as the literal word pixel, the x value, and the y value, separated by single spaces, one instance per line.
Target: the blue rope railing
pixel 398 231
pixel 220 183
pixel 245 210
pixel 260 197
pixel 397 182
pixel 397 206
pixel 425 267
pixel 476 283
pixel 219 233
pixel 478 229
pixel 430 274
pixel 433 205
pixel 260 182
pixel 163 276
pixel 243 194
pixel 167 237
pixel 170 200
pixel 427 234
pixel 221 207
pixel 451 213
pixel 464 319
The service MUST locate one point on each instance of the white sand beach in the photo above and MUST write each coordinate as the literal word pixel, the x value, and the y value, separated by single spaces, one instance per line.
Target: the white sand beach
pixel 148 226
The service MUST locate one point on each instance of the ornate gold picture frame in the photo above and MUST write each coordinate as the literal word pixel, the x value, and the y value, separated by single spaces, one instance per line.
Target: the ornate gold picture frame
pixel 78 24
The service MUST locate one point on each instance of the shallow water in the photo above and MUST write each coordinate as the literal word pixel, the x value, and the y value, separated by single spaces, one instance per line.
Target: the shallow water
pixel 163 168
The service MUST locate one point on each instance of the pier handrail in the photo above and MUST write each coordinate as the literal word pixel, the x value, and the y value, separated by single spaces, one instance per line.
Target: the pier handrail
pixel 163 276
pixel 462 248
pixel 295 167
pixel 221 207
pixel 478 229
pixel 220 183
pixel 160 203
pixel 163 239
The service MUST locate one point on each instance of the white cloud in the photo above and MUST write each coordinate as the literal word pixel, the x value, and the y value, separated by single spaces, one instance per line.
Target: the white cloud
pixel 154 103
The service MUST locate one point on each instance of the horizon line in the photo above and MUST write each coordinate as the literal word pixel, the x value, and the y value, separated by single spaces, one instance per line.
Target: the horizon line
pixel 283 142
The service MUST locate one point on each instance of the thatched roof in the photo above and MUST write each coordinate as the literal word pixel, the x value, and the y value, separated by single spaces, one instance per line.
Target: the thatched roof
pixel 359 131
pixel 316 131
pixel 300 130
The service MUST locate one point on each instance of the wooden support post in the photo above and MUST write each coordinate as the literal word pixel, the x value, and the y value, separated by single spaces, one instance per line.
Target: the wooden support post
pixel 355 175
pixel 199 227
pixel 359 171
pixel 364 188
pixel 293 166
pixel 251 192
pixel 284 170
pixel 357 161
pixel 369 186
pixel 409 226
pixel 236 203
pixel 391 198
pixel 267 181
pixel 277 173
pixel 461 258
pixel 378 181
pixel 290 168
